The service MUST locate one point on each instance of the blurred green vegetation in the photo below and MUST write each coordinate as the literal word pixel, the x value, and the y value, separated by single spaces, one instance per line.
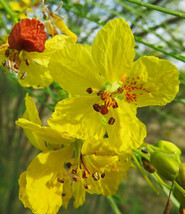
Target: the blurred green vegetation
pixel 157 34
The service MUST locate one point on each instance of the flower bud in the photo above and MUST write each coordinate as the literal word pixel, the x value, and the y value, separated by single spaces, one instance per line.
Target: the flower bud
pixel 181 176
pixel 168 147
pixel 166 165
pixel 179 196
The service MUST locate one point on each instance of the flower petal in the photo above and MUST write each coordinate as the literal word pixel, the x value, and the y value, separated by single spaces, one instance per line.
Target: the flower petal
pixel 43 188
pixel 47 134
pixel 113 50
pixel 152 81
pixel 74 70
pixel 37 76
pixel 77 117
pixel 31 114
pixel 128 131
pixel 78 193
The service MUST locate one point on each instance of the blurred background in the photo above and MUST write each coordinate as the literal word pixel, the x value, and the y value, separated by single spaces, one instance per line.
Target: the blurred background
pixel 156 33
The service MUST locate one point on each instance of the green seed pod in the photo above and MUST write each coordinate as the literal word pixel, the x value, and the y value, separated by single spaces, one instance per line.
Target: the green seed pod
pixel 181 176
pixel 168 147
pixel 166 165
pixel 179 196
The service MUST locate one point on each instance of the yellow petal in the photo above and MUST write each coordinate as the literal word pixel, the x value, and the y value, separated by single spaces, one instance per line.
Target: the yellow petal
pixel 74 70
pixel 43 188
pixel 37 76
pixel 31 114
pixel 51 45
pixel 77 117
pixel 63 27
pixel 47 134
pixel 128 131
pixel 22 190
pixel 152 81
pixel 78 193
pixel 104 161
pixel 113 50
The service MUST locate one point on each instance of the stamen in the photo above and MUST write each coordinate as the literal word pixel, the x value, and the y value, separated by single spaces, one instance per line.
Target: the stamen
pixel 96 176
pixel 100 93
pixel 60 180
pixel 68 165
pixel 7 52
pixel 89 90
pixel 23 76
pixel 120 90
pixel 74 172
pixel 115 105
pixel 103 110
pixel 76 178
pixel 85 174
pixel 87 186
pixel 63 194
pixel 103 175
pixel 96 107
pixel 27 62
pixel 111 121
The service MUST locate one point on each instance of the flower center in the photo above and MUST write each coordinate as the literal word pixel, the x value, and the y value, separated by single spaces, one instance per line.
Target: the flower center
pixel 14 61
pixel 80 172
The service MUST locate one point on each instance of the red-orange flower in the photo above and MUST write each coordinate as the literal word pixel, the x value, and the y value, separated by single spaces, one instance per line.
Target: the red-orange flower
pixel 28 35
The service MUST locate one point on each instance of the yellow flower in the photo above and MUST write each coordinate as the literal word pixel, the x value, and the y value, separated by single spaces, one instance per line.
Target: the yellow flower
pixel 28 53
pixel 42 137
pixel 111 86
pixel 53 177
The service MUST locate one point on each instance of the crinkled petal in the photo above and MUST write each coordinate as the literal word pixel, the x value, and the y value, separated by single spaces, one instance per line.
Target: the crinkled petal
pixel 78 193
pixel 47 134
pixel 74 69
pixel 22 190
pixel 77 117
pixel 36 75
pixel 128 131
pixel 53 44
pixel 31 114
pixel 43 189
pixel 152 81
pixel 113 50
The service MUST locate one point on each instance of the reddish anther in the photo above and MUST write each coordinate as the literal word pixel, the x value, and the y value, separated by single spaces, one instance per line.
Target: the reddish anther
pixel 28 35
pixel 104 110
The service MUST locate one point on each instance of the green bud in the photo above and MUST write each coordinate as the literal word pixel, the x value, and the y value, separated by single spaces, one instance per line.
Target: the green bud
pixel 181 176
pixel 166 165
pixel 179 196
pixel 168 147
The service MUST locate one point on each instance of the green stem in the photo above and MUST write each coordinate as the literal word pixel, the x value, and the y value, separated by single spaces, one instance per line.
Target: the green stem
pixel 9 11
pixel 161 181
pixel 113 205
pixel 155 7
pixel 141 154
pixel 144 175
pixel 179 187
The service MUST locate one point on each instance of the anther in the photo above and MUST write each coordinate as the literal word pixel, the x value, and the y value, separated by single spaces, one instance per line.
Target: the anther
pixel 96 107
pixel 68 165
pixel 111 121
pixel 63 194
pixel 100 93
pixel 103 175
pixel 89 90
pixel 27 62
pixel 4 63
pixel 103 110
pixel 75 179
pixel 87 186
pixel 120 90
pixel 96 176
pixel 23 76
pixel 7 52
pixel 74 172
pixel 60 180
pixel 115 105
pixel 85 174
